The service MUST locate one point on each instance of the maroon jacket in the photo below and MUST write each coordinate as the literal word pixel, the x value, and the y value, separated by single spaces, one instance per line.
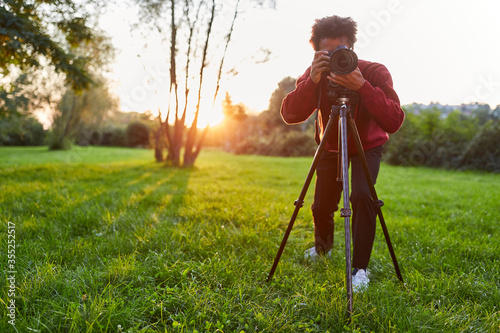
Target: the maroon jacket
pixel 377 113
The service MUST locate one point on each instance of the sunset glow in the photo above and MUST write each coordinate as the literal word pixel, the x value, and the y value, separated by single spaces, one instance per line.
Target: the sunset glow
pixel 428 62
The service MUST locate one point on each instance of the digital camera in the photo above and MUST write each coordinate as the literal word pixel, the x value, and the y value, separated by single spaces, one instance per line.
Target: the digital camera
pixel 343 60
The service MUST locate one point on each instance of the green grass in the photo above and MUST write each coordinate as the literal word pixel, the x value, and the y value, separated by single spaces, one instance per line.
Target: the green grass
pixel 109 241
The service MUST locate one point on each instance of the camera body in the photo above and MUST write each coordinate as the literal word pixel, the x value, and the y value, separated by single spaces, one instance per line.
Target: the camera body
pixel 343 60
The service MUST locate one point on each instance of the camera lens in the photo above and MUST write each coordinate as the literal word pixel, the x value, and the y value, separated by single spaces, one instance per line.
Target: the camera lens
pixel 343 60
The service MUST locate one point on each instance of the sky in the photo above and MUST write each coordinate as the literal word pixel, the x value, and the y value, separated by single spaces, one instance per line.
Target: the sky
pixel 444 51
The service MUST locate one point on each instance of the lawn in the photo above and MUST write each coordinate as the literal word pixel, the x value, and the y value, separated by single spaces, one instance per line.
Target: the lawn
pixel 107 240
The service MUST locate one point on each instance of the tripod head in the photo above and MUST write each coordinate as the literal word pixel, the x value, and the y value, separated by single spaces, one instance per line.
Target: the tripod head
pixel 341 95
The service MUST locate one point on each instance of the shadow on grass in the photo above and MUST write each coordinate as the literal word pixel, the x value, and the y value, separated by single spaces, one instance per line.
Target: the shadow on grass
pixel 60 205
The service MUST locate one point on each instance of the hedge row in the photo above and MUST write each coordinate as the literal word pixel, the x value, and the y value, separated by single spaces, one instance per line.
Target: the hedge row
pixel 26 131
pixel 456 140
pixel 460 139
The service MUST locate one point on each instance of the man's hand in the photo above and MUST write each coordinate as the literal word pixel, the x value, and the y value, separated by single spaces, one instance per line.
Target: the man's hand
pixel 352 81
pixel 320 65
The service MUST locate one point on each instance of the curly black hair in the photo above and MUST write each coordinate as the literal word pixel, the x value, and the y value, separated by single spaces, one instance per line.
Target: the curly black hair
pixel 333 27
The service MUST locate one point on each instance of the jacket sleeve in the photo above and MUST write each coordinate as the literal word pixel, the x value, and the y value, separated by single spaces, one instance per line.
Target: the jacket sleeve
pixel 380 99
pixel 301 103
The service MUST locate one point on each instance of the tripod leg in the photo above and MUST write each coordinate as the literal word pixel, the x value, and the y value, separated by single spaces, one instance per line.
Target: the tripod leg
pixel 339 159
pixel 300 201
pixel 377 203
pixel 346 211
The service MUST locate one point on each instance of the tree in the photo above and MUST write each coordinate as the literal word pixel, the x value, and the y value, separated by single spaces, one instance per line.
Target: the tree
pixel 234 115
pixel 40 32
pixel 272 115
pixel 273 136
pixel 196 21
pixel 90 105
pixel 51 46
pixel 79 110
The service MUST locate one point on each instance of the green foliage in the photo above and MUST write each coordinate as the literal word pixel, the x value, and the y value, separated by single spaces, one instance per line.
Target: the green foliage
pixel 117 129
pixel 21 131
pixel 281 143
pixel 80 115
pixel 56 143
pixel 55 36
pixel 109 241
pixel 137 134
pixel 29 31
pixel 13 101
pixel 267 134
pixel 273 116
pixel 433 138
pixel 483 152
pixel 118 138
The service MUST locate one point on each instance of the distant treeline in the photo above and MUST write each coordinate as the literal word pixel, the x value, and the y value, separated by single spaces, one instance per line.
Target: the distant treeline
pixel 123 130
pixel 463 137
pixel 457 137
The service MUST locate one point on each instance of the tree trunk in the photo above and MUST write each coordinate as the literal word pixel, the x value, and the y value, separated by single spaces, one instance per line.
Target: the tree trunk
pixel 181 136
pixel 190 152
pixel 189 159
pixel 159 140
pixel 174 139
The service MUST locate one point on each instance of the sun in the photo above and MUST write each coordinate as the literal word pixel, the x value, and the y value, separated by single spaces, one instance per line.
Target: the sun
pixel 210 116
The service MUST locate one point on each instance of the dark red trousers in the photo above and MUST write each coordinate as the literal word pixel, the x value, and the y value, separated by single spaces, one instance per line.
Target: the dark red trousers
pixel 327 194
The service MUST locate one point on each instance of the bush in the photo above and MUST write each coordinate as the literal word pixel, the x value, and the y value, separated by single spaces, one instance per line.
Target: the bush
pixel 102 136
pixel 483 152
pixel 281 143
pixel 119 138
pixel 56 144
pixel 454 140
pixel 137 135
pixel 21 131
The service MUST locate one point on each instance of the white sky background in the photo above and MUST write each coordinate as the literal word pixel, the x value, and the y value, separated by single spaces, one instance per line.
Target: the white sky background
pixel 445 51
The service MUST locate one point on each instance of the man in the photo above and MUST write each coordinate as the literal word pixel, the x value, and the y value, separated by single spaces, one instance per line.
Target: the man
pixel 376 113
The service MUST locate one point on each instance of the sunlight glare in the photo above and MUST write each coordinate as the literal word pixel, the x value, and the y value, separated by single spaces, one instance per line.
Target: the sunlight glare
pixel 210 116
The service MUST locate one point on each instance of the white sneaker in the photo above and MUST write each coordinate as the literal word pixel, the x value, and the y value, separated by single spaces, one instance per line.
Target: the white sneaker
pixel 312 254
pixel 360 280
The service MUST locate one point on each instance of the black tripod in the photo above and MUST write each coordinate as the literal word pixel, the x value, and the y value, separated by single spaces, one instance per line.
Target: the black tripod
pixel 343 110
